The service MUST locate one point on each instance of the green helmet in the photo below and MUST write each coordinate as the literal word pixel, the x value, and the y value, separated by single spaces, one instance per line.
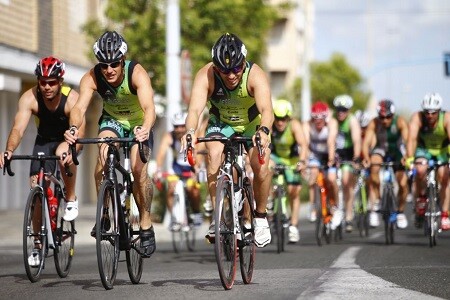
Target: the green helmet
pixel 282 108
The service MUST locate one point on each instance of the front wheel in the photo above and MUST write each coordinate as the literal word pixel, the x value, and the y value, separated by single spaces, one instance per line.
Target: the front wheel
pixel 431 219
pixel 64 241
pixel 107 234
pixel 34 240
pixel 387 204
pixel 247 247
pixel 225 240
pixel 133 255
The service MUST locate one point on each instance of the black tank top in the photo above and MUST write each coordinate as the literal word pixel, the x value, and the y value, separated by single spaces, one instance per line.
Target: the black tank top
pixel 52 125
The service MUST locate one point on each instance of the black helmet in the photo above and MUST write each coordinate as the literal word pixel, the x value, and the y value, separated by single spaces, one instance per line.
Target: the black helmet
pixel 110 47
pixel 385 108
pixel 228 52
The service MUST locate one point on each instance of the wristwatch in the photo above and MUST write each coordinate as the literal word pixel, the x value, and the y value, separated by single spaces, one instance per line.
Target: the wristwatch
pixel 264 129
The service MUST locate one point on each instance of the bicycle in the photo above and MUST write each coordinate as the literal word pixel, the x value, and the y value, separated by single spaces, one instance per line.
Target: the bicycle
pixel 321 203
pixel 234 209
pixel 182 225
pixel 388 208
pixel 433 212
pixel 117 218
pixel 38 234
pixel 361 205
pixel 280 221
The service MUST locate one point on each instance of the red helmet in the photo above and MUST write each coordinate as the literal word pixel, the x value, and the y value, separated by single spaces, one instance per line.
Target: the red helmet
pixel 385 108
pixel 50 67
pixel 319 110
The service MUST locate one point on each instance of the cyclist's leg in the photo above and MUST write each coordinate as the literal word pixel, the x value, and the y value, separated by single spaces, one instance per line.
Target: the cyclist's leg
pixel 294 198
pixel 348 185
pixel 312 172
pixel 374 187
pixel 402 180
pixel 443 179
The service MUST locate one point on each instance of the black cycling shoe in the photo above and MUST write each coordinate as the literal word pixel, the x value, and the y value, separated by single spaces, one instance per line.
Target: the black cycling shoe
pixel 148 244
pixel 106 226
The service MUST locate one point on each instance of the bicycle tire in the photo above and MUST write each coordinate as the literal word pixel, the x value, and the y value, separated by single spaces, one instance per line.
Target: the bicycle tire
pixel 133 254
pixel 279 230
pixel 178 236
pixel 191 233
pixel 320 226
pixel 247 247
pixel 387 201
pixel 32 233
pixel 107 234
pixel 225 245
pixel 64 241
pixel 431 219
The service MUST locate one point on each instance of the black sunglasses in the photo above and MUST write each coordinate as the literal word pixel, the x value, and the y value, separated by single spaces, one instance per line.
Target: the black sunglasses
pixel 113 65
pixel 430 112
pixel 341 109
pixel 235 70
pixel 385 117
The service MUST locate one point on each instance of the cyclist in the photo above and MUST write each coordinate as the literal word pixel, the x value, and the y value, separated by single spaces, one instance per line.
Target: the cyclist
pixel 364 119
pixel 390 131
pixel 348 148
pixel 320 134
pixel 171 141
pixel 428 138
pixel 287 137
pixel 128 110
pixel 50 101
pixel 238 95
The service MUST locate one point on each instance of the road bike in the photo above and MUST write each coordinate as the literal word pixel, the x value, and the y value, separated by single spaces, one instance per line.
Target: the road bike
pixel 39 235
pixel 433 211
pixel 388 207
pixel 361 203
pixel 280 218
pixel 234 209
pixel 182 226
pixel 323 208
pixel 117 218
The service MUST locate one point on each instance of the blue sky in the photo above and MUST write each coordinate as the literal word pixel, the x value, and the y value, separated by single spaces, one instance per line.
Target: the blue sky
pixel 398 46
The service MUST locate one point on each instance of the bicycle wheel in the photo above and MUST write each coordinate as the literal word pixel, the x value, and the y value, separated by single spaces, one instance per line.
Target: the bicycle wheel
pixel 225 240
pixel 387 201
pixel 191 231
pixel 279 222
pixel 34 255
pixel 320 226
pixel 133 256
pixel 178 218
pixel 247 247
pixel 431 220
pixel 107 235
pixel 64 241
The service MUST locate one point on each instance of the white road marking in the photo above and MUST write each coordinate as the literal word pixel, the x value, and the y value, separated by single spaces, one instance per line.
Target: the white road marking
pixel 346 280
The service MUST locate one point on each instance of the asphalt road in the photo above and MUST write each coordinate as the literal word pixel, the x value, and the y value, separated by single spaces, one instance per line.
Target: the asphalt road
pixel 353 268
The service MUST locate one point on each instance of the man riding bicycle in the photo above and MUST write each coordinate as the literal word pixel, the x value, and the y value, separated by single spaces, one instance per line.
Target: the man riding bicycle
pixel 50 101
pixel 238 95
pixel 171 141
pixel 128 110
pixel 348 148
pixel 287 137
pixel 320 135
pixel 390 131
pixel 428 138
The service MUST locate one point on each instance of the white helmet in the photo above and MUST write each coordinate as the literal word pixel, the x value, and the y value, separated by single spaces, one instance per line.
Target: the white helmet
pixel 432 101
pixel 179 119
pixel 363 118
pixel 343 101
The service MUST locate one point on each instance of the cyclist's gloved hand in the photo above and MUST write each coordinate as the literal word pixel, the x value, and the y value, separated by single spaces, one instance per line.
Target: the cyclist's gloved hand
pixel 409 162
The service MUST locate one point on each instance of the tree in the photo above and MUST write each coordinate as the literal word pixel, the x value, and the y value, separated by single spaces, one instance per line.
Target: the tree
pixel 332 78
pixel 142 23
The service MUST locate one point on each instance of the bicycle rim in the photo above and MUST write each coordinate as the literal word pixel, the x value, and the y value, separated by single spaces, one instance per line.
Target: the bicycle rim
pixel 279 230
pixel 178 236
pixel 319 220
pixel 133 255
pixel 387 205
pixel 225 245
pixel 247 247
pixel 432 223
pixel 31 232
pixel 64 242
pixel 107 235
pixel 191 237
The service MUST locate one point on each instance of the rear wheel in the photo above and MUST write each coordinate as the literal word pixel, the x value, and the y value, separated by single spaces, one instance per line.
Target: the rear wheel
pixel 225 240
pixel 34 241
pixel 64 241
pixel 107 235
pixel 133 255
pixel 247 247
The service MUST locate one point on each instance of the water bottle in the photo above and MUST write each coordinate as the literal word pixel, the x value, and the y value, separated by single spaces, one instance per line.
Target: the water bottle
pixel 238 198
pixel 123 194
pixel 52 207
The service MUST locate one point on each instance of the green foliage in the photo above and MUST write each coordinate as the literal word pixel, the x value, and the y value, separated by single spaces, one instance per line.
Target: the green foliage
pixel 143 24
pixel 335 77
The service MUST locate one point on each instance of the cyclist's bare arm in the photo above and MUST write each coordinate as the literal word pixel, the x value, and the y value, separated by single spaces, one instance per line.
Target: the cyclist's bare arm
pixel 164 145
pixel 447 124
pixel 201 90
pixel 367 142
pixel 356 136
pixel 331 142
pixel 142 83
pixel 77 114
pixel 413 132
pixel 300 139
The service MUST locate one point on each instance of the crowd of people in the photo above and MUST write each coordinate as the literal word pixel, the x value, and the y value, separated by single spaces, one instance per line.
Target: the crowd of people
pixel 236 93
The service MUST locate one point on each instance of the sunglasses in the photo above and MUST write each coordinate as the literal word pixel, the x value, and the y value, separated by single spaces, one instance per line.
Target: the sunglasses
pixel 235 70
pixel 319 117
pixel 284 119
pixel 179 126
pixel 43 82
pixel 430 112
pixel 341 109
pixel 113 65
pixel 384 117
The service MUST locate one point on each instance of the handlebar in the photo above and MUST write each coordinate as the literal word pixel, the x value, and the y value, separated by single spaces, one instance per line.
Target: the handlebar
pixel 40 157
pixel 260 148
pixel 109 141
